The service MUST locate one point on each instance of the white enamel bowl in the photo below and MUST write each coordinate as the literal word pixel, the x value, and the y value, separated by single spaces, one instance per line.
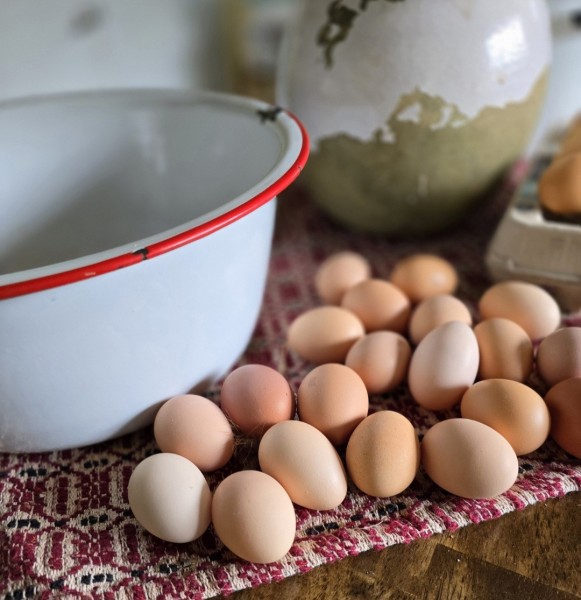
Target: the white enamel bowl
pixel 135 237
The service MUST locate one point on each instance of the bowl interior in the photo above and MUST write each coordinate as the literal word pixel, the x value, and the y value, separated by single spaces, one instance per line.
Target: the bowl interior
pixel 82 174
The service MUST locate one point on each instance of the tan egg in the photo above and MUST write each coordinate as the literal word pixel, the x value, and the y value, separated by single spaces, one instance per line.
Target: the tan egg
pixel 324 334
pixel 422 276
pixel 560 185
pixel 254 517
pixel 381 359
pixel 564 402
pixel 468 459
pixel 513 409
pixel 196 428
pixel 435 311
pixel 559 355
pixel 338 273
pixel 527 304
pixel 170 498
pixel 333 398
pixel 506 350
pixel 443 366
pixel 255 397
pixel 379 304
pixel 383 454
pixel 305 463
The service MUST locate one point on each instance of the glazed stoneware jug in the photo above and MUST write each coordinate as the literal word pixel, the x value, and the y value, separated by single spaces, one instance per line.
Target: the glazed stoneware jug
pixel 415 108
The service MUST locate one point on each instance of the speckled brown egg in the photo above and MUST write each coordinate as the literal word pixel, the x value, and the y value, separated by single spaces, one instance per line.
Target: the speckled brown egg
pixel 339 273
pixel 381 359
pixel 512 408
pixel 527 304
pixel 435 311
pixel 333 398
pixel 422 276
pixel 383 454
pixel 564 402
pixel 324 334
pixel 559 355
pixel 379 304
pixel 506 350
pixel 468 458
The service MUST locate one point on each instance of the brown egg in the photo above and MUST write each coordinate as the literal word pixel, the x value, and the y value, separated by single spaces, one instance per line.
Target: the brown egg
pixel 435 311
pixel 305 463
pixel 338 273
pixel 559 355
pixel 255 397
pixel 527 304
pixel 170 497
pixel 324 334
pixel 196 428
pixel 333 398
pixel 564 402
pixel 254 517
pixel 468 458
pixel 560 185
pixel 379 304
pixel 513 409
pixel 381 359
pixel 506 350
pixel 443 366
pixel 383 454
pixel 422 276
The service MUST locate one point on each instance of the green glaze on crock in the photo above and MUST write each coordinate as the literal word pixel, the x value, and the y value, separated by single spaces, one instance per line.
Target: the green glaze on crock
pixel 429 173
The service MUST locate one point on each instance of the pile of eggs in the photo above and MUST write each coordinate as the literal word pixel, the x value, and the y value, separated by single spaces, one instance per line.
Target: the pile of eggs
pixel 369 337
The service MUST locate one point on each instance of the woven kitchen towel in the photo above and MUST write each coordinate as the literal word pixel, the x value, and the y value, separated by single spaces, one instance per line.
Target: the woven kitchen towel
pixel 66 529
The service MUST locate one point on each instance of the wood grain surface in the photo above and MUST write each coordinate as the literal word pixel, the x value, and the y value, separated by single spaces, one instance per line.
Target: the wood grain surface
pixel 533 554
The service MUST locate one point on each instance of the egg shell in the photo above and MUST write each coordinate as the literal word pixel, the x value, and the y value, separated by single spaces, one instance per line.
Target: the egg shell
pixel 383 454
pixel 443 366
pixel 333 398
pixel 379 305
pixel 512 408
pixel 422 276
pixel 255 397
pixel 170 497
pixel 559 187
pixel 468 459
pixel 254 517
pixel 305 463
pixel 435 311
pixel 564 403
pixel 194 427
pixel 572 139
pixel 381 359
pixel 324 334
pixel 559 355
pixel 338 273
pixel 506 350
pixel 527 304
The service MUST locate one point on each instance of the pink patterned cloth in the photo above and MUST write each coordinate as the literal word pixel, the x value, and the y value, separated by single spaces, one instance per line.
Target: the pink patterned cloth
pixel 66 529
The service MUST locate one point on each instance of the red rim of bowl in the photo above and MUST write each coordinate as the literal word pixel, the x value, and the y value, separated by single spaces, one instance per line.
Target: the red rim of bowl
pixel 38 284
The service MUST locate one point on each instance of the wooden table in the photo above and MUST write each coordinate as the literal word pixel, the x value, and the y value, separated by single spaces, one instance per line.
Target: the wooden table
pixel 526 555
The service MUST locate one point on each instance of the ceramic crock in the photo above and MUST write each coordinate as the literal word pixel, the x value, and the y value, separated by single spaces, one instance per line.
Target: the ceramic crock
pixel 415 108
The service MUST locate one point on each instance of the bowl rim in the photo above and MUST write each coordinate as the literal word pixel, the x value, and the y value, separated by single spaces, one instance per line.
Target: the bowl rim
pixel 289 166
